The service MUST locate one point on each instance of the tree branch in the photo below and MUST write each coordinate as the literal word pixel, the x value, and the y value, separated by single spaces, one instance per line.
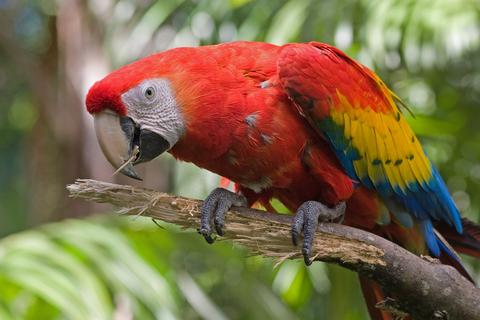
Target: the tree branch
pixel 423 288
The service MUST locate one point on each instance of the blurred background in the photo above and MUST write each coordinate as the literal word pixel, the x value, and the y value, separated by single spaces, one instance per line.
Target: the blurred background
pixel 103 266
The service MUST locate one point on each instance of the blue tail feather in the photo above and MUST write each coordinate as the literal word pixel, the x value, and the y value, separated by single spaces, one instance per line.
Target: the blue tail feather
pixel 436 245
pixel 430 237
pixel 441 249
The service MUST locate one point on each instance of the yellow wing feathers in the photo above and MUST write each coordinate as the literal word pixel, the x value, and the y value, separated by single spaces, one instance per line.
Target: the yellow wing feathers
pixel 389 151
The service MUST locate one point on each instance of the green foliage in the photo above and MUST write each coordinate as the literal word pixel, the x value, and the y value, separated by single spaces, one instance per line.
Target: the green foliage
pixel 106 266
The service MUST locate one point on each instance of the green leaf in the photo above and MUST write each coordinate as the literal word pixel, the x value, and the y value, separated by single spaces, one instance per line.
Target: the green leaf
pixel 287 23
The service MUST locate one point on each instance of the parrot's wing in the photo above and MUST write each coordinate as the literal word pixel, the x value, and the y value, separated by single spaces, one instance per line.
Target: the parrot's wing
pixel 351 107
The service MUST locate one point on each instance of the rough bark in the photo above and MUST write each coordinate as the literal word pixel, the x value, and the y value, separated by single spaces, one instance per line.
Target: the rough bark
pixel 422 287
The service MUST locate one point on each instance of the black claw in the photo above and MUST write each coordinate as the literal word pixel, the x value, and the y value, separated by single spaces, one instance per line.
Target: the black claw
pixel 205 230
pixel 210 239
pixel 206 233
pixel 306 257
pixel 306 220
pixel 219 227
pixel 215 206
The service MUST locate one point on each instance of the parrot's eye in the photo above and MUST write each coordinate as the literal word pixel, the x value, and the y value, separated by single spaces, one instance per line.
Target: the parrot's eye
pixel 149 93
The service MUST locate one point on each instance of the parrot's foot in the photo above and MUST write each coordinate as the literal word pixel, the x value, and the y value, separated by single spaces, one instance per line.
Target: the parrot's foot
pixel 215 206
pixel 306 219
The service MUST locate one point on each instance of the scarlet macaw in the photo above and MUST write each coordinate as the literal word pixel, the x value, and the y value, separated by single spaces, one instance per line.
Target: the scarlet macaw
pixel 302 123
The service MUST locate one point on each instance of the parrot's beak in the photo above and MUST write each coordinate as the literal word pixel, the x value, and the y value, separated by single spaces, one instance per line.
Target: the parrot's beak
pixel 125 144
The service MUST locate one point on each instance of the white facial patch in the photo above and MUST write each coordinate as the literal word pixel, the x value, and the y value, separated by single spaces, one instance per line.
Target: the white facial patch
pixel 152 106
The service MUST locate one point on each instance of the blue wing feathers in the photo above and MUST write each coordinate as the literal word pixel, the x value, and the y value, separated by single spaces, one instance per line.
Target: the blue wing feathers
pixel 433 204
pixel 451 213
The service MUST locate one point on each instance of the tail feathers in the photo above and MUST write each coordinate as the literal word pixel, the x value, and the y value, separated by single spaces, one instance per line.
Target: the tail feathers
pixel 373 294
pixel 449 256
pixel 430 237
pixel 468 242
pixel 440 248
pixel 444 240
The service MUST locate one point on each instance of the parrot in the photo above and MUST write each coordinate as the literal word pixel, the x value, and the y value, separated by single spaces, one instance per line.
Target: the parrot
pixel 302 123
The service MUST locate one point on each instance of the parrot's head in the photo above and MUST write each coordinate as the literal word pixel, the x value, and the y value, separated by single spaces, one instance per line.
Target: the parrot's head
pixel 136 115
